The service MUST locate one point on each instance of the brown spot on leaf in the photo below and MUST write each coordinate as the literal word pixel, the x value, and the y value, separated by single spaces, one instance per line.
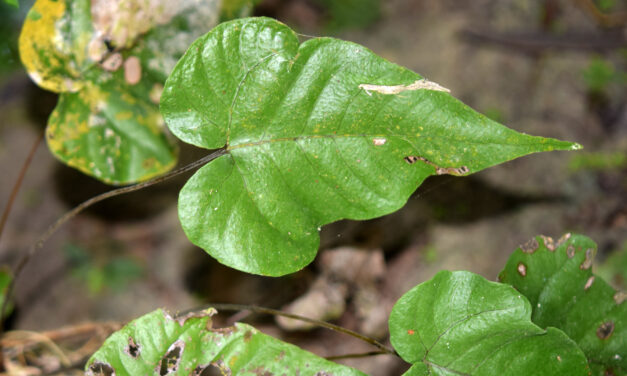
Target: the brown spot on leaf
pixel 530 246
pixel 411 159
pixel 411 332
pixel 379 141
pixel 605 330
pixel 559 358
pixel 112 62
pixel 133 349
pixel 549 243
pixel 570 251
pixel 522 269
pixel 101 369
pixel 248 335
pixel 224 370
pixel 260 371
pixel 132 70
pixel 620 297
pixel 589 283
pixel 563 239
pixel 587 263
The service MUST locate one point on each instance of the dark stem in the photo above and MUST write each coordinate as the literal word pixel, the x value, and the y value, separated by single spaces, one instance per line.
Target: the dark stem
pixel 72 213
pixel 357 355
pixel 243 307
pixel 18 183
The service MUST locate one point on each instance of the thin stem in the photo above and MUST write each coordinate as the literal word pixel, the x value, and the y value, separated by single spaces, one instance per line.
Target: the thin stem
pixel 241 307
pixel 72 213
pixel 18 183
pixel 357 355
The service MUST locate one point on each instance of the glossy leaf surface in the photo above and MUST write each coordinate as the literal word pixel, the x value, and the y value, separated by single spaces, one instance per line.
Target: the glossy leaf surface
pixel 557 279
pixel 159 344
pixel 460 323
pixel 108 60
pixel 312 137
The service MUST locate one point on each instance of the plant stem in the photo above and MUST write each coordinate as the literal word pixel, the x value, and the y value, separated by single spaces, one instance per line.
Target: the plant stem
pixel 18 183
pixel 241 307
pixel 72 213
pixel 357 355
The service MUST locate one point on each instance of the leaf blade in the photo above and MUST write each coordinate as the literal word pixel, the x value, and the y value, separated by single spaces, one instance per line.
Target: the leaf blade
pixel 159 344
pixel 322 130
pixel 557 279
pixel 460 323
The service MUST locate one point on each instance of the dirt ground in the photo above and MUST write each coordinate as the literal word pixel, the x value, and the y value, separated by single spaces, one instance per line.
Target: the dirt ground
pixel 521 62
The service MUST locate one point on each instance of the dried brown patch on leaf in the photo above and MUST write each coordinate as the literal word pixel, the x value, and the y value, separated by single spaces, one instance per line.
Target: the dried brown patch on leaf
pixel 570 251
pixel 170 361
pixel 589 283
pixel 522 269
pixel 605 330
pixel 133 349
pixel 563 239
pixel 100 369
pixel 549 243
pixel 530 246
pixel 422 84
pixel 587 263
pixel 457 171
pixel 620 297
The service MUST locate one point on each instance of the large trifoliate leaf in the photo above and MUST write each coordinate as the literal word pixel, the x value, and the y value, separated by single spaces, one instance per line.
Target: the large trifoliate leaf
pixel 459 323
pixel 157 344
pixel 557 279
pixel 314 133
pixel 108 60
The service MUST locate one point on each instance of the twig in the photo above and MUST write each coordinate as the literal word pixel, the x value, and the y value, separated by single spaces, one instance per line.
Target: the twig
pixel 18 183
pixel 357 355
pixel 69 215
pixel 617 19
pixel 243 307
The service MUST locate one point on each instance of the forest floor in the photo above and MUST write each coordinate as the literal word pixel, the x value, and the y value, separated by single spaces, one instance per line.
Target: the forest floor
pixel 128 255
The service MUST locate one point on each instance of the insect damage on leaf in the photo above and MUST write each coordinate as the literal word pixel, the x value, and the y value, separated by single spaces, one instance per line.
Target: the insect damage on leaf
pixel 458 171
pixel 421 84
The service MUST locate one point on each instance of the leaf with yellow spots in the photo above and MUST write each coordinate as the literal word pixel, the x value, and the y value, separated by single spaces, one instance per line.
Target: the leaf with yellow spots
pixel 109 60
pixel 314 133
pixel 557 278
pixel 158 344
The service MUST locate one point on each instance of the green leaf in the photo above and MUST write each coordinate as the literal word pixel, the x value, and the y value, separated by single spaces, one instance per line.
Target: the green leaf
pixel 310 140
pixel 12 2
pixel 159 344
pixel 236 8
pixel 557 279
pixel 109 60
pixel 461 323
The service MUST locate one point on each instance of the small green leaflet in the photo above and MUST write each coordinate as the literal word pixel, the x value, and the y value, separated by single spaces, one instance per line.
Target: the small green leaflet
pixel 459 323
pixel 314 133
pixel 13 2
pixel 158 344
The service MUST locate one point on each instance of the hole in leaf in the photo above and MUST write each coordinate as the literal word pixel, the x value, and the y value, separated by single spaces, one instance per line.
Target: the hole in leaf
pixel 170 361
pixel 207 370
pixel 101 369
pixel 605 330
pixel 133 349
